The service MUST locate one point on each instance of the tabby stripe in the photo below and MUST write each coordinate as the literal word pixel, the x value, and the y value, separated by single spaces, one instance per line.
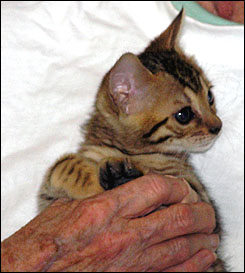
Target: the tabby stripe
pixel 85 179
pixel 127 152
pixel 155 128
pixel 165 170
pixel 160 140
pixel 72 169
pixel 73 166
pixel 170 128
pixel 63 170
pixel 174 64
pixel 78 177
pixel 115 147
pixel 58 163
pixel 61 161
pixel 47 197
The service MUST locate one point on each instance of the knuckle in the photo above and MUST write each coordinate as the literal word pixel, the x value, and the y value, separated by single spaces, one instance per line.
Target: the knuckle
pixel 158 185
pixel 185 216
pixel 98 209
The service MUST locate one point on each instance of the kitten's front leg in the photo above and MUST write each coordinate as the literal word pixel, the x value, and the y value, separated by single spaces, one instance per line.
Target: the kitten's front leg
pixel 115 172
pixel 72 176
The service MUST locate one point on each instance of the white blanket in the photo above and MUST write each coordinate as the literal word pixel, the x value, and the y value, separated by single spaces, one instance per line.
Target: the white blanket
pixel 54 55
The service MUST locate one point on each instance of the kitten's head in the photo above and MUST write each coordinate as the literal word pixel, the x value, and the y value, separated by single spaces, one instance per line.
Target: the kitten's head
pixel 159 101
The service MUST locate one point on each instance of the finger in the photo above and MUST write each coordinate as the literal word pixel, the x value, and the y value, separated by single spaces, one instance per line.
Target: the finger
pixel 178 250
pixel 208 5
pixel 176 220
pixel 200 262
pixel 145 194
pixel 192 196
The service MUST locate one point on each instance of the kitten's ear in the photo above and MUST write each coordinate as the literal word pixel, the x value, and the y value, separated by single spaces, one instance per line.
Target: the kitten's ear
pixel 169 38
pixel 128 83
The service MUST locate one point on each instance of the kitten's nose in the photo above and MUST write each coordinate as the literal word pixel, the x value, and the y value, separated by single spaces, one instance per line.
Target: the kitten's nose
pixel 215 130
pixel 214 124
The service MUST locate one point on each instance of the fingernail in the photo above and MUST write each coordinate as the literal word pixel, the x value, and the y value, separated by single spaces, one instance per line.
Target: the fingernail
pixel 209 259
pixel 171 176
pixel 214 239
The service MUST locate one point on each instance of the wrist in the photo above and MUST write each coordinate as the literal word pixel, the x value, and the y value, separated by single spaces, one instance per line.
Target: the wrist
pixel 20 254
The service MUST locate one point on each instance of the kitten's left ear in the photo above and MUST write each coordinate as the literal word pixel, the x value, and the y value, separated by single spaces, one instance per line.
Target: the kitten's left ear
pixel 129 83
pixel 169 38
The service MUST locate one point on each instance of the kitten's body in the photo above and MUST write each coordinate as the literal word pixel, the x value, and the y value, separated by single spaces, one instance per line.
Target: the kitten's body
pixel 150 111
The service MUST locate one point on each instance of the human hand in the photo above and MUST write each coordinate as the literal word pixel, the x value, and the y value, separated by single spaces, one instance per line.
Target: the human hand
pixel 230 10
pixel 114 231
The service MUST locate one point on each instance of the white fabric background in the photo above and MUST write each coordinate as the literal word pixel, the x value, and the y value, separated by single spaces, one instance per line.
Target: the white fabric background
pixel 54 55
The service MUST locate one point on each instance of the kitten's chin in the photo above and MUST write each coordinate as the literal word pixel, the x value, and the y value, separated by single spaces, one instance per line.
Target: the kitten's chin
pixel 201 147
pixel 192 147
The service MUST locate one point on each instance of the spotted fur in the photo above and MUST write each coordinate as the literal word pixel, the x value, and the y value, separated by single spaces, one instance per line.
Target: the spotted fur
pixel 172 63
pixel 151 111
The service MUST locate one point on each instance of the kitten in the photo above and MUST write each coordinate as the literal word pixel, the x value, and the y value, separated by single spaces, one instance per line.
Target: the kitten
pixel 151 110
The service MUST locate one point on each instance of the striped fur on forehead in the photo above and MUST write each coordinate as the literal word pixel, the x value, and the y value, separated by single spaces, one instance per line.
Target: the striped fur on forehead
pixel 173 63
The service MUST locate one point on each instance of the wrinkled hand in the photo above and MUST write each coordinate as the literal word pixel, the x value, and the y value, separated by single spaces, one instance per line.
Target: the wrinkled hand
pixel 230 10
pixel 114 231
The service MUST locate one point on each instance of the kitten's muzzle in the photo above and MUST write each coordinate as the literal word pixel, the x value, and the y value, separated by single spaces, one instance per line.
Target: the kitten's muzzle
pixel 215 130
pixel 214 124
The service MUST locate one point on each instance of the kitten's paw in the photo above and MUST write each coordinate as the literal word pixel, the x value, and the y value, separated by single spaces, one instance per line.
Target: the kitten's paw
pixel 114 173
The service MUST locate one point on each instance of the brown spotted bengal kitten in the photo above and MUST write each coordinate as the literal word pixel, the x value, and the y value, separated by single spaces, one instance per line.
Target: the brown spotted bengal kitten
pixel 151 110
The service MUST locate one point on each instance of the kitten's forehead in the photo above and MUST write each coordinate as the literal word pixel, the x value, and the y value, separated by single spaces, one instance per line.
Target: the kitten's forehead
pixel 174 64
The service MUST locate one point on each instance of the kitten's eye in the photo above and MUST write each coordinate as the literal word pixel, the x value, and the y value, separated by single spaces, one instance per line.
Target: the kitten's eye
pixel 184 116
pixel 210 97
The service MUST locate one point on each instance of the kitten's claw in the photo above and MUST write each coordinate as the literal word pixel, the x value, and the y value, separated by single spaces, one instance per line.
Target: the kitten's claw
pixel 115 173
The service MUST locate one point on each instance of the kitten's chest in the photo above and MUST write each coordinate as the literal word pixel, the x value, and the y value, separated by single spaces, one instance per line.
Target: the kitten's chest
pixel 163 164
pixel 157 163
